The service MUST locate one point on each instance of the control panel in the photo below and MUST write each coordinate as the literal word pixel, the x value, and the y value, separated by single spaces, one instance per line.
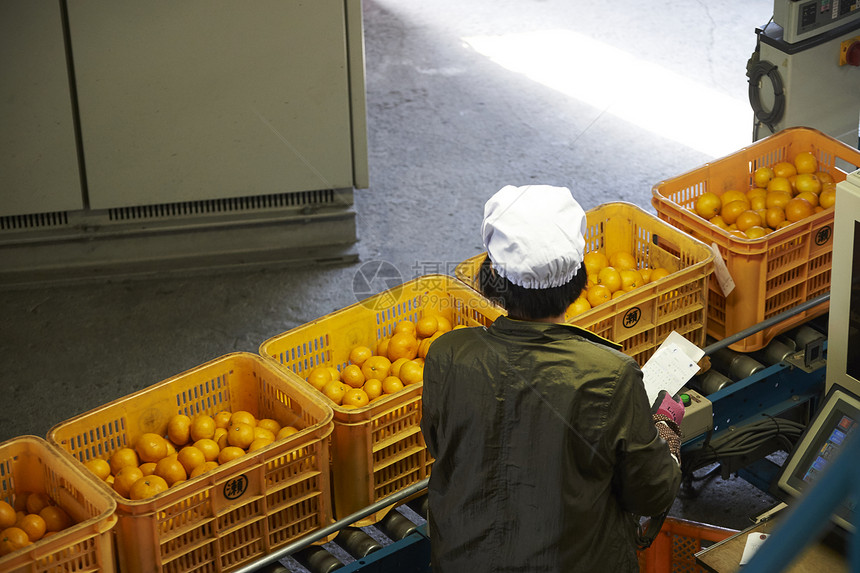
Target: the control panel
pixel 804 19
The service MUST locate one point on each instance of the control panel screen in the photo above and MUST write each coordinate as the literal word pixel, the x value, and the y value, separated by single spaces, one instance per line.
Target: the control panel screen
pixel 852 363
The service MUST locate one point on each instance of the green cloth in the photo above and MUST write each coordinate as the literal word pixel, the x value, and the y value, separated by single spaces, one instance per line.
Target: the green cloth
pixel 545 450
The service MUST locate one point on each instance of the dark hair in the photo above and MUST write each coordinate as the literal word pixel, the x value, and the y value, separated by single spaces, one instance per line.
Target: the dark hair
pixel 527 303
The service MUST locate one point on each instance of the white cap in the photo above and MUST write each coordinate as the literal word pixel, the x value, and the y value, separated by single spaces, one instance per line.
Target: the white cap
pixel 534 235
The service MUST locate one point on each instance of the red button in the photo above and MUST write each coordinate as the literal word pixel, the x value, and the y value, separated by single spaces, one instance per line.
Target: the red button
pixel 852 56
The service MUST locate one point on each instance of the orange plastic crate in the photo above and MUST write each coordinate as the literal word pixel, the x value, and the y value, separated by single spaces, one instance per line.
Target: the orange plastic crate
pixel 237 512
pixel 675 547
pixel 30 464
pixel 377 450
pixel 774 273
pixel 642 319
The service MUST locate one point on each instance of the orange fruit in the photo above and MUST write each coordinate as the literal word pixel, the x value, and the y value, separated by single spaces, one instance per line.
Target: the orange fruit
pixel 258 444
pixel 807 182
pixel 202 469
pixel 732 195
pixel 748 219
pixel 373 388
pixel 732 210
pixel 121 458
pixel 755 192
pixel 352 376
pixel 36 501
pixel 760 202
pixel 286 432
pixel 411 373
pixel 221 439
pixel 378 366
pixel 395 366
pixel 827 198
pixel 382 347
pixel 391 384
pixel 825 178
pixel 33 525
pixel 755 232
pixel 658 273
pixel 707 205
pixel 179 429
pixel 798 209
pixel 125 478
pixel 190 457
pixel 219 433
pixel 622 260
pixel 595 260
pixel 230 453
pixel 610 278
pixel 355 397
pixel 148 468
pixel 7 515
pixel 426 326
pixel 263 434
pixel 630 279
pixel 202 426
pixel 209 448
pixel 222 419
pixel 245 417
pixel 784 169
pixel 809 196
pixel 779 184
pixel 402 345
pixel 319 377
pixel 335 373
pixel 99 467
pixel 150 447
pixel 20 501
pixel 774 216
pixel 359 354
pixel 269 424
pixel 598 294
pixel 718 222
pixel 171 469
pixel 241 435
pixel 762 176
pixel 777 199
pixel 424 347
pixel 147 487
pixel 12 539
pixel 444 324
pixel 335 390
pixel 406 326
pixel 578 306
pixel 645 273
pixel 56 518
pixel 805 162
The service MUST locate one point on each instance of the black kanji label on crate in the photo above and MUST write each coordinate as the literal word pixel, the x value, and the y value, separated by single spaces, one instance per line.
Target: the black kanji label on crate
pixel 823 235
pixel 235 487
pixel 631 317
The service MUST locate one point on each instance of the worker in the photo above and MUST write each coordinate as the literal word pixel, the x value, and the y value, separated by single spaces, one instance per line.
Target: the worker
pixel 546 448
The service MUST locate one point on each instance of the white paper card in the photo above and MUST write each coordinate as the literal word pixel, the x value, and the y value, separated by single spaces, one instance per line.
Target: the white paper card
pixel 721 272
pixel 669 368
pixel 754 541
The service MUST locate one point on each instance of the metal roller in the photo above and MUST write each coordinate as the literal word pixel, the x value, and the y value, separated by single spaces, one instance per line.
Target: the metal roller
pixel 396 526
pixel 776 351
pixel 318 560
pixel 735 365
pixel 356 542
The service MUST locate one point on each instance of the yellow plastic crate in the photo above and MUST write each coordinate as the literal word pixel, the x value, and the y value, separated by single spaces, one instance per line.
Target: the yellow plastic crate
pixel 237 512
pixel 782 269
pixel 378 449
pixel 30 464
pixel 676 545
pixel 641 319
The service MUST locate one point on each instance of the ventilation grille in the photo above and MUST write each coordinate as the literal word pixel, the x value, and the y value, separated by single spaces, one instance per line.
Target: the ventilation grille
pixel 36 221
pixel 215 206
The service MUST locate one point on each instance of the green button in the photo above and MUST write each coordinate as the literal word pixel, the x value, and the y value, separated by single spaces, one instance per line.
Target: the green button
pixel 685 399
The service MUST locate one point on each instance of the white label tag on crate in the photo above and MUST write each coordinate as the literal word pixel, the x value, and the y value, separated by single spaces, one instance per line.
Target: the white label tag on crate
pixel 721 272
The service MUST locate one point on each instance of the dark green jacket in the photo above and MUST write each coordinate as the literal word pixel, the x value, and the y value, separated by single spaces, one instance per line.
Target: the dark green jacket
pixel 544 447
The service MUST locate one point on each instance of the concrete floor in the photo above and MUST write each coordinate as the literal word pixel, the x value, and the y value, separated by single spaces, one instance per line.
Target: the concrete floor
pixel 463 98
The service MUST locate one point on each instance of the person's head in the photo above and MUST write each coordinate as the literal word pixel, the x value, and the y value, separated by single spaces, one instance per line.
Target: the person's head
pixel 535 243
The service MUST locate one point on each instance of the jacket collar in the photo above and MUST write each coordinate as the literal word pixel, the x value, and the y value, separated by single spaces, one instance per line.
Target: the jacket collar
pixel 550 330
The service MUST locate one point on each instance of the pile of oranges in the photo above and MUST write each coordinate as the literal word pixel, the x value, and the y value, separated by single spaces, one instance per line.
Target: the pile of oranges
pixel 397 362
pixel 189 448
pixel 30 517
pixel 611 277
pixel 783 194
